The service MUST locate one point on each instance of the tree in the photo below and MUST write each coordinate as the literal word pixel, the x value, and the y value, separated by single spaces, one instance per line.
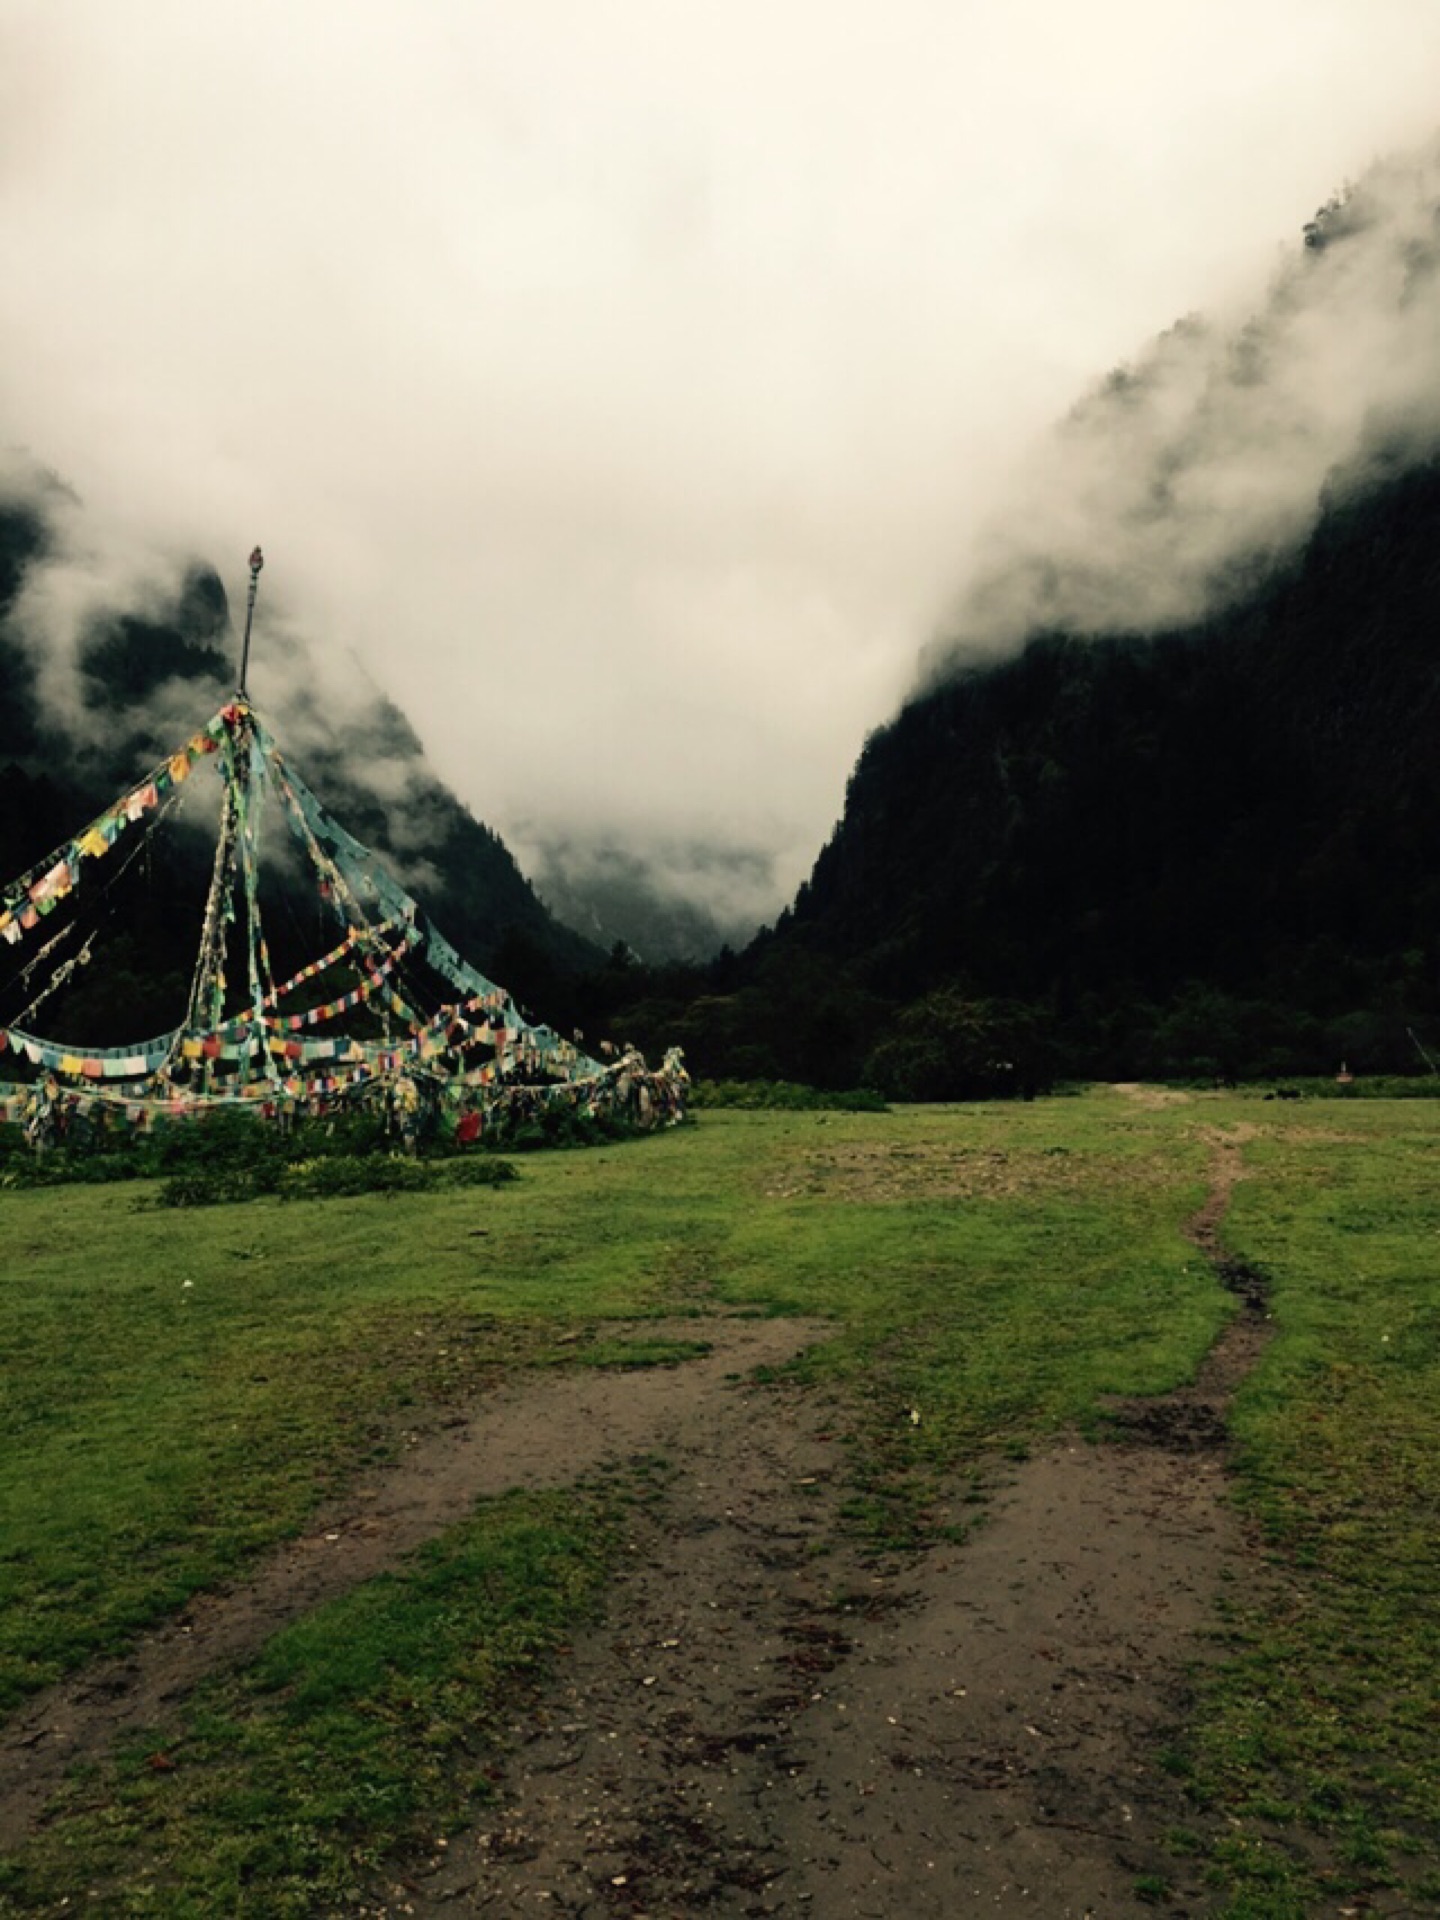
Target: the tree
pixel 952 1046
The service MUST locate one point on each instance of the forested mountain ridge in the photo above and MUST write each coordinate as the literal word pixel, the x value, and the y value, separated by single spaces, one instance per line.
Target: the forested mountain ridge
pixel 1210 851
pixel 1105 828
pixel 1166 800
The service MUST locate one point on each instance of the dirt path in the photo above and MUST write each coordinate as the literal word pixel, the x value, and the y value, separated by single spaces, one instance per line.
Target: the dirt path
pixel 534 1432
pixel 772 1724
pixel 767 1729
pixel 769 1722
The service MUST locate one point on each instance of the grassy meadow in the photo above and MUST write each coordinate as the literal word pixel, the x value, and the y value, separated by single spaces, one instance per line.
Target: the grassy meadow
pixel 183 1388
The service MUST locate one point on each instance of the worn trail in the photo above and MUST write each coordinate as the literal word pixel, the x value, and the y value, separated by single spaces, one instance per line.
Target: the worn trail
pixel 532 1432
pixel 771 1723
pixel 767 1721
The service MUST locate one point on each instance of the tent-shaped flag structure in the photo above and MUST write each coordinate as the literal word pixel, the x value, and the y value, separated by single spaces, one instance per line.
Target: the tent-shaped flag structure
pixel 391 1012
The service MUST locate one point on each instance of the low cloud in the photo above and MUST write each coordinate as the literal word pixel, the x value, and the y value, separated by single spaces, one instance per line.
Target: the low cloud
pixel 1183 478
pixel 666 899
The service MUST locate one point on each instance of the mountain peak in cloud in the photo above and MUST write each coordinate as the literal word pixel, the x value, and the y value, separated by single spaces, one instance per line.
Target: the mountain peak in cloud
pixel 1183 476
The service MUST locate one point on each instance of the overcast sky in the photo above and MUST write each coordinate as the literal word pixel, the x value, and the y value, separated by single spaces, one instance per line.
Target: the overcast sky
pixel 624 381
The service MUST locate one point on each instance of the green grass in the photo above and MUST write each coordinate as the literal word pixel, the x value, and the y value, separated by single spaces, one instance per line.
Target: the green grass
pixel 180 1390
pixel 1326 1717
pixel 636 1353
pixel 363 1729
pixel 989 1272
pixel 995 1270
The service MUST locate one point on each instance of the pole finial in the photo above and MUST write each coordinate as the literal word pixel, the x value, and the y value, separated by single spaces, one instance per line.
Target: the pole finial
pixel 257 561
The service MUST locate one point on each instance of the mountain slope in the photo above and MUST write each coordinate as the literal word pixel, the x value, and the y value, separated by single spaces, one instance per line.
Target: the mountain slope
pixel 1170 787
pixel 1242 816
pixel 1213 851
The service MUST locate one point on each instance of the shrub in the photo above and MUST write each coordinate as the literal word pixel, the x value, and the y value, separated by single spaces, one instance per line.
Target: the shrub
pixel 951 1045
pixel 213 1187
pixel 330 1176
pixel 224 1156
pixel 555 1124
pixel 341 1174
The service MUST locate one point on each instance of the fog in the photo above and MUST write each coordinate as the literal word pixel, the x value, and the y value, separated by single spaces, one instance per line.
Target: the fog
pixel 1190 472
pixel 632 393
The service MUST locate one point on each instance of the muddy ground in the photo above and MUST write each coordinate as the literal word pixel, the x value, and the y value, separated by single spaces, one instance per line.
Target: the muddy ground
pixel 768 1721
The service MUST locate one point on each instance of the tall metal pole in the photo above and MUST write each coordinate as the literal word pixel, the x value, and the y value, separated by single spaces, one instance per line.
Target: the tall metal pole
pixel 257 561
pixel 234 827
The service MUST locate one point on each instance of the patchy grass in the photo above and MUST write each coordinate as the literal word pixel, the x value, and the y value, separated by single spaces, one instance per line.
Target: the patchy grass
pixel 181 1390
pixel 981 1313
pixel 1325 1719
pixel 637 1353
pixel 366 1728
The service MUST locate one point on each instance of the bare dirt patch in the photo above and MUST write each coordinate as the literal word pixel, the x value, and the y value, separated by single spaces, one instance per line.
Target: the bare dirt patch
pixel 531 1432
pixel 1151 1098
pixel 773 1723
pixel 877 1171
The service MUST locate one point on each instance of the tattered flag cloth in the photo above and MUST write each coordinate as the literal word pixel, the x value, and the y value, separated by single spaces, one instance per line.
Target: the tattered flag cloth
pixel 26 900
pixel 91 1062
pixel 354 875
pixel 344 951
pixel 627 1089
pixel 374 983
